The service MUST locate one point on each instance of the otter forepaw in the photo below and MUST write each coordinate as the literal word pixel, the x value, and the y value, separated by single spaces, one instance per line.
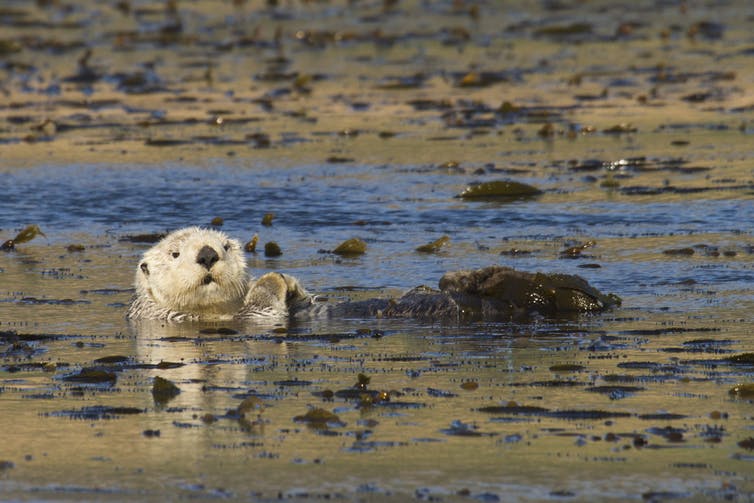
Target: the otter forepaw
pixel 278 291
pixel 296 296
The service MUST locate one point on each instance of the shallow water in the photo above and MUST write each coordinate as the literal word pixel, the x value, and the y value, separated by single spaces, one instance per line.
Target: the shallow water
pixel 353 132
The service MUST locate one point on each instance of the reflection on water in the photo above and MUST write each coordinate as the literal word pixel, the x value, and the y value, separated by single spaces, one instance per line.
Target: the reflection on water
pixel 367 120
pixel 642 409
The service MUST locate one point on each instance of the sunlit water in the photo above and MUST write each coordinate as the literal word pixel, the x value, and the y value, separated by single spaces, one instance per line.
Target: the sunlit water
pixel 644 409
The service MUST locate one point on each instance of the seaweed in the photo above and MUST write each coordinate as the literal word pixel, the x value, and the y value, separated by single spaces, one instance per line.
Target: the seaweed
pixel 319 418
pixel 164 390
pixel 24 236
pixel 272 249
pixel 434 246
pixel 499 189
pixel 351 248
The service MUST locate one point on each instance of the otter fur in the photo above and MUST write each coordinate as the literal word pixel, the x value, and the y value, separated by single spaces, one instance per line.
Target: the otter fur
pixel 490 293
pixel 200 274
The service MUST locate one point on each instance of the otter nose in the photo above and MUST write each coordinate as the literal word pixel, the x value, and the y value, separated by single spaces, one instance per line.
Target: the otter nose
pixel 207 257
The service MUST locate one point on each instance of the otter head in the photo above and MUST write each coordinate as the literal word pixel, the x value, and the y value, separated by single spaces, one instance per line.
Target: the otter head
pixel 199 272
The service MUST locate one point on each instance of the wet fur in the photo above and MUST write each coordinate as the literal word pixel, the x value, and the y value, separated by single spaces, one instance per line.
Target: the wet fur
pixel 172 285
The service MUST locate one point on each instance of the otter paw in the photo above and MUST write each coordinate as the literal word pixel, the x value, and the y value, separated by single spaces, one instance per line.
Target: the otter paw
pixel 284 289
pixel 294 290
pixel 297 297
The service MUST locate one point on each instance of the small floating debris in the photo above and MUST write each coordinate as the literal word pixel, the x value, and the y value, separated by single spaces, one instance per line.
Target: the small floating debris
pixel 248 413
pixel 620 129
pixel 251 245
pixel 334 159
pixel 679 251
pixel 547 130
pixel 260 140
pixel 319 417
pixel 741 359
pixel 351 248
pixel 508 108
pixel 596 415
pixel 514 409
pixel 661 416
pixel 668 433
pixel 272 249
pixel 252 404
pixel 267 219
pixel 164 390
pixel 360 391
pixel 516 252
pixel 576 251
pixel 567 367
pixel 566 31
pixel 742 391
pixel 164 142
pixel 434 246
pixel 218 331
pixel 470 385
pixel 362 381
pixel 481 79
pixel 499 189
pixel 110 360
pixel 92 375
pixel 26 235
pixel 143 238
pixel 451 166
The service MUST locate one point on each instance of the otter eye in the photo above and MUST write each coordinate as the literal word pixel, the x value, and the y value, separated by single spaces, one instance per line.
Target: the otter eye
pixel 176 254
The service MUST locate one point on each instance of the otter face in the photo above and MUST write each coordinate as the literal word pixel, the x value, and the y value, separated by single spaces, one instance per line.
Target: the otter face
pixel 196 271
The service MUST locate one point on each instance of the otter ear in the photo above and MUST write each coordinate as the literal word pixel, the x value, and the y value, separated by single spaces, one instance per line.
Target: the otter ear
pixel 144 268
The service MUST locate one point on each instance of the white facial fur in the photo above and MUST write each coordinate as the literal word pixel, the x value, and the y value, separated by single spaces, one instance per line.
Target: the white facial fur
pixel 171 277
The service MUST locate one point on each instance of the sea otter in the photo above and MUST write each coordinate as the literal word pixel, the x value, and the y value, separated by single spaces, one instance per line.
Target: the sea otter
pixel 200 274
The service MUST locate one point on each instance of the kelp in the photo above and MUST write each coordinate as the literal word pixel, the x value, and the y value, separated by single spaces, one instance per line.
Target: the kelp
pixel 26 235
pixel 434 246
pixel 499 189
pixel 351 247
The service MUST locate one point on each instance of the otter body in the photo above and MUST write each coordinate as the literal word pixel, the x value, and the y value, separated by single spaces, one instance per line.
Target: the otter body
pixel 490 293
pixel 200 274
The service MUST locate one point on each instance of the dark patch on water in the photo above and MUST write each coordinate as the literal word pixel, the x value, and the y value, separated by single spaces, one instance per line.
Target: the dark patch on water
pixel 97 412
pixel 114 359
pixel 92 375
pixel 293 382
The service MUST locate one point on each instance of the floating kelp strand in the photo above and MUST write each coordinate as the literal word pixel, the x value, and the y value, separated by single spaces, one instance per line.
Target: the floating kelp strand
pixel 24 236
